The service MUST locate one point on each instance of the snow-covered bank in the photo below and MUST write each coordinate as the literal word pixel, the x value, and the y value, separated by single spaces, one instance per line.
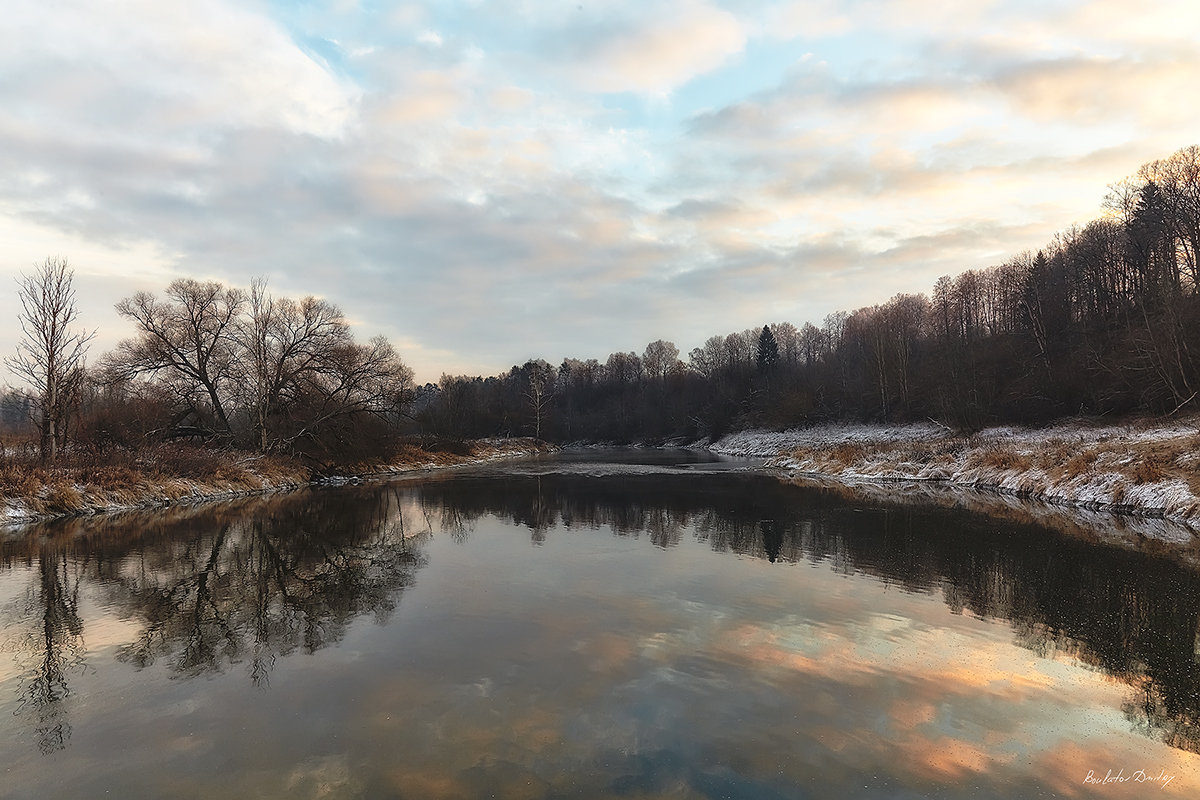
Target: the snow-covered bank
pixel 1144 469
pixel 62 492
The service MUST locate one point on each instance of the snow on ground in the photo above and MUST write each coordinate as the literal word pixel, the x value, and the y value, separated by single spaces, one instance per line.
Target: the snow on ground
pixel 1138 469
pixel 764 444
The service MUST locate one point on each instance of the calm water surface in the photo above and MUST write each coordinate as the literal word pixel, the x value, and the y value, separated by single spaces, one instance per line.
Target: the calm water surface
pixel 629 624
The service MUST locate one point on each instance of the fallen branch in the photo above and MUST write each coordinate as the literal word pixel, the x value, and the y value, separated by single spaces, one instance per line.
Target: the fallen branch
pixel 1181 405
pixel 942 425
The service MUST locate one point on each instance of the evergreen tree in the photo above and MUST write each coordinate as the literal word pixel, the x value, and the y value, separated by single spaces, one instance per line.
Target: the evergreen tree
pixel 768 350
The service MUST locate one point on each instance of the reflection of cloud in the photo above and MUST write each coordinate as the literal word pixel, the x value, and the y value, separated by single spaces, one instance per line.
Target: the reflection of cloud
pixel 322 777
pixel 852 695
pixel 951 760
pixel 955 707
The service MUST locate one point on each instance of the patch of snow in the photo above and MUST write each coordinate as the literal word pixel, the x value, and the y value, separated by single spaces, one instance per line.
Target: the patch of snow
pixel 886 455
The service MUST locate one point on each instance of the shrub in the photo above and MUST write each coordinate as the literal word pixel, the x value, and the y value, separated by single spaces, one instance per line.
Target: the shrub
pixel 180 460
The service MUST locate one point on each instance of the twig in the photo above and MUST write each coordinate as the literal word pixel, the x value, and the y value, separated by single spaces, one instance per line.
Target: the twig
pixel 942 425
pixel 1184 403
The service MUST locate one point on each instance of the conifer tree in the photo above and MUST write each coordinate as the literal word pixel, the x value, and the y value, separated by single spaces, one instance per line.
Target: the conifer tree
pixel 768 350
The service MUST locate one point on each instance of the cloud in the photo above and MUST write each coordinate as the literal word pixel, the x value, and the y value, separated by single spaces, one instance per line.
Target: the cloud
pixel 422 96
pixel 656 51
pixel 582 178
pixel 807 19
pixel 1094 90
pixel 88 69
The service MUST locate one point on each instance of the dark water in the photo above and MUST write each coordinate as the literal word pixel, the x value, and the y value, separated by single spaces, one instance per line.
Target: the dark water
pixel 604 624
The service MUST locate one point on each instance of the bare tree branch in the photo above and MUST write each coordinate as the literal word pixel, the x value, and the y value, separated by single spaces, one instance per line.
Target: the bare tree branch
pixel 51 353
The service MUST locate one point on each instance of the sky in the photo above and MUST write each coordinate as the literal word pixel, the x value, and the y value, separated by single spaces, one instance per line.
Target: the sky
pixel 488 182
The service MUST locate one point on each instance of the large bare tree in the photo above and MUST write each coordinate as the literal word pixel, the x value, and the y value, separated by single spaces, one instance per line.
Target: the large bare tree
pixel 285 347
pixel 288 370
pixel 189 338
pixel 51 353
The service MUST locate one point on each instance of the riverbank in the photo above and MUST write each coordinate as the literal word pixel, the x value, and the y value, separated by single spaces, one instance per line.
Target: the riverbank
pixel 1143 468
pixel 170 474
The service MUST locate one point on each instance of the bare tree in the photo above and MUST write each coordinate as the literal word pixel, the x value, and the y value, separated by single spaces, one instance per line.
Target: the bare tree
pixel 188 337
pixel 50 356
pixel 660 359
pixel 540 393
pixel 356 380
pixel 283 344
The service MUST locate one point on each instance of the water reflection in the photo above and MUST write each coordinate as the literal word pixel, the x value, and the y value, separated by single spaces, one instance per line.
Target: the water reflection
pixel 1134 615
pixel 47 637
pixel 242 584
pixel 234 589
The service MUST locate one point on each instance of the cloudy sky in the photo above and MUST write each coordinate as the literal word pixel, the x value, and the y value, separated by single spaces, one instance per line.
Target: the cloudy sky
pixel 485 182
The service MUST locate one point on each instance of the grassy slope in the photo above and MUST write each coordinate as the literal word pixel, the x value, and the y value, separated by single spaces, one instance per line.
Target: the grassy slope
pixel 1143 468
pixel 170 473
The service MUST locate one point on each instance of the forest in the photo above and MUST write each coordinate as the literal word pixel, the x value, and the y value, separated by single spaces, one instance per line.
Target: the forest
pixel 1102 321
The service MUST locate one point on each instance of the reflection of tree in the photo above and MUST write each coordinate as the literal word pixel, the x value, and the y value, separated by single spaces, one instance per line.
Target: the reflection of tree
pixel 772 537
pixel 247 584
pixel 50 643
pixel 539 514
pixel 240 584
pixel 263 586
pixel 1133 614
pixel 542 503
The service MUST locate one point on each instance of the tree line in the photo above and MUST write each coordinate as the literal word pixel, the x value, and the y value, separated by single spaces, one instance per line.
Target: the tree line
pixel 208 362
pixel 1102 320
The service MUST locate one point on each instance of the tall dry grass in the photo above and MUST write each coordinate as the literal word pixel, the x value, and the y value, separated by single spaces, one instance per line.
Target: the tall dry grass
pixel 81 481
pixel 169 471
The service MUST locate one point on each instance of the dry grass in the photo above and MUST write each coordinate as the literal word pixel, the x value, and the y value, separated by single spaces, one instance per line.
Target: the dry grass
pixel 1004 459
pixel 1156 461
pixel 60 497
pixel 1055 453
pixel 78 482
pixel 1077 465
pixel 20 480
pixel 847 455
pixel 930 451
pixel 1146 470
pixel 175 471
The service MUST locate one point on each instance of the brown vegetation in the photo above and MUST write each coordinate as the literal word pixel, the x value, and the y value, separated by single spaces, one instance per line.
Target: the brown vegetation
pixel 1004 459
pixel 172 471
pixel 1139 467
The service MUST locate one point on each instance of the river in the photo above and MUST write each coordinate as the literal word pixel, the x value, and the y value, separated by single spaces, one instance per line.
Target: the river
pixel 605 623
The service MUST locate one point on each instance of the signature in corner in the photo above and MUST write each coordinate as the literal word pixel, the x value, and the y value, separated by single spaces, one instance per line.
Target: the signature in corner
pixel 1139 776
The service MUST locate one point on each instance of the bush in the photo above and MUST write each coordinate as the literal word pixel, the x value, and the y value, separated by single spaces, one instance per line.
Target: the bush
pixel 444 444
pixel 180 460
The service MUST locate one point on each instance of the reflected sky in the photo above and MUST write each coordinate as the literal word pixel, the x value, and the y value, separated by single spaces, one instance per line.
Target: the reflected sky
pixel 590 635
